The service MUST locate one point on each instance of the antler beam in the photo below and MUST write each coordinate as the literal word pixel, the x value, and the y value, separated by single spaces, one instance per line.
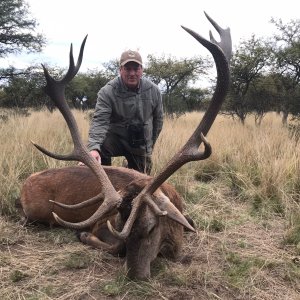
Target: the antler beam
pixel 56 91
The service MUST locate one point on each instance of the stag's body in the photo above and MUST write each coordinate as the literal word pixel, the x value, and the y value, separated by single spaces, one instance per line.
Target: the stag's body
pixel 151 236
pixel 70 185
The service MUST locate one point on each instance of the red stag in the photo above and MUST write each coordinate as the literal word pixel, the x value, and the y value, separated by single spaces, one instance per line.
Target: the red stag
pixel 127 213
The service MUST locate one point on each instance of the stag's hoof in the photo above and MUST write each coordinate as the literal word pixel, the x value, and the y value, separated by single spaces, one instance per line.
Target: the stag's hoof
pixel 83 236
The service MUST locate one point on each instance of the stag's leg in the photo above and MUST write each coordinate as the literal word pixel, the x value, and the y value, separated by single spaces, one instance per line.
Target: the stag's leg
pixel 118 248
pixel 24 221
pixel 102 238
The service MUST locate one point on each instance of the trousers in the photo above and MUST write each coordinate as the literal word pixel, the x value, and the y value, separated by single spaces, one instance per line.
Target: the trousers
pixel 114 146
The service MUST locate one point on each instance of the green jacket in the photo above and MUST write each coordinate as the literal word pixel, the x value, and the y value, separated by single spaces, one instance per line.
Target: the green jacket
pixel 117 107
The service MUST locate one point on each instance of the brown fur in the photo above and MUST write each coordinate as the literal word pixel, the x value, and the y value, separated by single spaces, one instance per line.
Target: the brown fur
pixel 151 235
pixel 68 185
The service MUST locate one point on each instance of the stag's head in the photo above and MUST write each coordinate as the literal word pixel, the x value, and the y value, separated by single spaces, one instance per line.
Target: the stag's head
pixel 149 219
pixel 151 233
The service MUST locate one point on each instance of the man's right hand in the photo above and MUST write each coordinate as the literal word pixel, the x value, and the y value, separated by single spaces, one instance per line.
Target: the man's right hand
pixel 95 154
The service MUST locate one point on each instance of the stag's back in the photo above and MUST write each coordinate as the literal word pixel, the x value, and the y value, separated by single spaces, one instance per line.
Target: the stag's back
pixel 70 185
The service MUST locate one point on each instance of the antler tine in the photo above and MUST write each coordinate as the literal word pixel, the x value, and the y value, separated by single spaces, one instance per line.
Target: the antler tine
pixel 221 53
pixel 56 91
pixel 57 94
pixel 72 71
pixel 85 203
pixel 225 36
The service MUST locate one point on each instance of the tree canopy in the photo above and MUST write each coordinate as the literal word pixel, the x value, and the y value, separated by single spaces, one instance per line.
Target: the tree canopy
pixel 265 72
pixel 17 28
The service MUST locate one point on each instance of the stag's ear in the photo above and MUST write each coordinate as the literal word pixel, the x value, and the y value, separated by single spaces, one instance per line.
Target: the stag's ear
pixel 164 203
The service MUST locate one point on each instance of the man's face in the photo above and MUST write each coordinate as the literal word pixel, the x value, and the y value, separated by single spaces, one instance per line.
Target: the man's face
pixel 131 74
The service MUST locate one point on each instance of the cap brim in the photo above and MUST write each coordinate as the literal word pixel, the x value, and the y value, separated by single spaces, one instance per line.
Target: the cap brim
pixel 128 60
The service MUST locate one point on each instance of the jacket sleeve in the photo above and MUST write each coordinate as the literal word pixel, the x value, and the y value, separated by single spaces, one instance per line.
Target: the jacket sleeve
pixel 100 121
pixel 158 116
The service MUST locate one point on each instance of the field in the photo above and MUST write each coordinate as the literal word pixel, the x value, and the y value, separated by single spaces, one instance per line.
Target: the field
pixel 244 200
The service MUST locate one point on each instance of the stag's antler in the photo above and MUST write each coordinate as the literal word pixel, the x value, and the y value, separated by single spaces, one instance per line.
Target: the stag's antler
pixel 56 90
pixel 190 151
pixel 221 53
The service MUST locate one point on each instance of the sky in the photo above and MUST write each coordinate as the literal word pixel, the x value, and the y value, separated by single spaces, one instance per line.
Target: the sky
pixel 151 27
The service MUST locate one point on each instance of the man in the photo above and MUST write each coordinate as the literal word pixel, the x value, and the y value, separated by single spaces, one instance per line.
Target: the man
pixel 128 116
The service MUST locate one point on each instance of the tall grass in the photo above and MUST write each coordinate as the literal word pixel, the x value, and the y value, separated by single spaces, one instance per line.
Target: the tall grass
pixel 257 164
pixel 19 158
pixel 244 200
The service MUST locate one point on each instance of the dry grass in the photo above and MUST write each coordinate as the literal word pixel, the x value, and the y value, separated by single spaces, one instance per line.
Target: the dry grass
pixel 244 200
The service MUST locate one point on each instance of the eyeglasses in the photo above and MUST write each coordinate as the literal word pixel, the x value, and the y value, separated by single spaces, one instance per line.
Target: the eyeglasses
pixel 134 69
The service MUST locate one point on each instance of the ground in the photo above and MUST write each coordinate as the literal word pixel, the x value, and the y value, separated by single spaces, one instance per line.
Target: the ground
pixel 242 258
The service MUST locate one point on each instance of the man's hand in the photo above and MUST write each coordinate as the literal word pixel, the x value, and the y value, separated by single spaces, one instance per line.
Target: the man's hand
pixel 95 154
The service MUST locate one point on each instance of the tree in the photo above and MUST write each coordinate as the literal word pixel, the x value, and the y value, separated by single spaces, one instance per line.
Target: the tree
pixel 286 52
pixel 17 32
pixel 248 64
pixel 86 85
pixel 111 68
pixel 175 77
pixel 25 90
pixel 262 97
pixel 194 99
pixel 17 29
